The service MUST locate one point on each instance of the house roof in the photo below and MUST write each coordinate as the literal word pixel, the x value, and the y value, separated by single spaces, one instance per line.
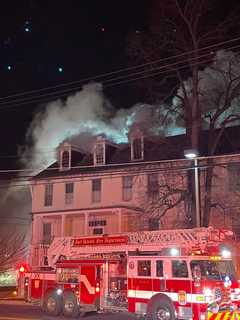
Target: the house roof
pixel 155 149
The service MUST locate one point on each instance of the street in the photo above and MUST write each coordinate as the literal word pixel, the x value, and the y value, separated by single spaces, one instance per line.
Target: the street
pixel 19 310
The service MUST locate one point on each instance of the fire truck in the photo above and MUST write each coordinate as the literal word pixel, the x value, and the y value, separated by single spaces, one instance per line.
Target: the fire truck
pixel 166 274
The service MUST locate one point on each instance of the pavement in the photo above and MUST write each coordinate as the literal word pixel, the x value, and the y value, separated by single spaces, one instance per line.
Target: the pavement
pixel 20 310
pixel 8 294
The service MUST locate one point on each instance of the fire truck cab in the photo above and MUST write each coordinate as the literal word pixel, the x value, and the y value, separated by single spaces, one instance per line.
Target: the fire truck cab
pixel 174 274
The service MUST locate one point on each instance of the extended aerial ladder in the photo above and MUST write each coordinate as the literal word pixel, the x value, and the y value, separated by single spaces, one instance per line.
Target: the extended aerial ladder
pixel 135 241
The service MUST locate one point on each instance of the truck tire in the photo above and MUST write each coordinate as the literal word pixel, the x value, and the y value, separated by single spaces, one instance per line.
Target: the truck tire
pixel 52 303
pixel 70 305
pixel 160 308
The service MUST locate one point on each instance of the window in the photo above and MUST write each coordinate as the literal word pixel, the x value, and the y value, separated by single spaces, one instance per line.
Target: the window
pixel 98 231
pixel 65 159
pixel 212 270
pixel 96 190
pixel 179 269
pixel 99 154
pixel 95 223
pixel 153 185
pixel 234 176
pixel 127 183
pixel 69 193
pixel 137 149
pixel 68 275
pixel 159 268
pixel 47 233
pixel 154 224
pixel 144 268
pixel 48 198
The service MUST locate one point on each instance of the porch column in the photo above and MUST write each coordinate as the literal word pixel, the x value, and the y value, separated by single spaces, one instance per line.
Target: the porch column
pixel 119 216
pixel 37 230
pixel 86 214
pixel 63 222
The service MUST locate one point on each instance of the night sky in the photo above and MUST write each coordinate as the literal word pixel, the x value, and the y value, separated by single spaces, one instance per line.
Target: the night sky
pixel 49 43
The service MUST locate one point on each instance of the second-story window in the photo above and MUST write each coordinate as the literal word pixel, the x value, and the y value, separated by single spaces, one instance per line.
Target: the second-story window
pixel 234 176
pixel 69 191
pixel 48 196
pixel 96 190
pixel 127 183
pixel 153 187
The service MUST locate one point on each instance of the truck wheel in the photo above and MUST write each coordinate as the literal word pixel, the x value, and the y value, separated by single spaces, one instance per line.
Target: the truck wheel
pixel 161 308
pixel 70 305
pixel 52 303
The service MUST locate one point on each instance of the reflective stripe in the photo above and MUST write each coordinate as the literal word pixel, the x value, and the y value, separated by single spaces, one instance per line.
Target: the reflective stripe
pixel 226 315
pixel 191 298
pixel 87 284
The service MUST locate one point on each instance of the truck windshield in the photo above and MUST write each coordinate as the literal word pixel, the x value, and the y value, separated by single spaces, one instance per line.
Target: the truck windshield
pixel 215 270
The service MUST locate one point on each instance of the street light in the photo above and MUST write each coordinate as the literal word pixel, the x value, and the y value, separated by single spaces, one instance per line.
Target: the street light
pixel 192 154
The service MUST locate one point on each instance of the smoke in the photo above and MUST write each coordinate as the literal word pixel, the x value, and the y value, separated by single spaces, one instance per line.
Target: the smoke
pixel 79 118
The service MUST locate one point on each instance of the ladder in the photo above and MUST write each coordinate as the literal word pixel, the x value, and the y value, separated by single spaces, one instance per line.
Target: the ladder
pixel 180 237
pixel 141 241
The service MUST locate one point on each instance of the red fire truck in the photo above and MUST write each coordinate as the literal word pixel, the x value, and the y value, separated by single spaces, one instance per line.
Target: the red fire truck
pixel 169 274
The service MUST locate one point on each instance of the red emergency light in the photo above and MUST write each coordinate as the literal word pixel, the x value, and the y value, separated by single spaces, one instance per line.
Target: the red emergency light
pixel 22 268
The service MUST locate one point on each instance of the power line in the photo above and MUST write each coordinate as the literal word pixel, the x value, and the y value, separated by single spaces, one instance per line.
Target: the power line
pixel 106 175
pixel 124 69
pixel 43 97
pixel 67 91
pixel 118 165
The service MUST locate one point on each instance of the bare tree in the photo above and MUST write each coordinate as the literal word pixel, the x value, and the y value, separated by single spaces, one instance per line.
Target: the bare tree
pixel 186 33
pixel 163 197
pixel 13 249
pixel 219 98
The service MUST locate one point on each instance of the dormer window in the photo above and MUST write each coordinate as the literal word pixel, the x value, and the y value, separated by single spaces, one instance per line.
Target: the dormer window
pixel 137 148
pixel 65 156
pixel 99 153
pixel 65 159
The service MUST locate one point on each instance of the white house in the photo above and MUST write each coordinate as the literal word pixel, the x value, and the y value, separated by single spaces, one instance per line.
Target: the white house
pixel 121 188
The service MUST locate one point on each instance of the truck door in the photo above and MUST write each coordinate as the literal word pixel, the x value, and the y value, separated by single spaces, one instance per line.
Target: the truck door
pixel 90 284
pixel 181 284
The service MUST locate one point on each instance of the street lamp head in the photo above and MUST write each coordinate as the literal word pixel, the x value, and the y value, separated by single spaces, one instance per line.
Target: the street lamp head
pixel 191 153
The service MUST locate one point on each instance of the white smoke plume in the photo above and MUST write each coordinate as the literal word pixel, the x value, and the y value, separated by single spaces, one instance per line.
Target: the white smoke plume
pixel 85 114
pixel 81 116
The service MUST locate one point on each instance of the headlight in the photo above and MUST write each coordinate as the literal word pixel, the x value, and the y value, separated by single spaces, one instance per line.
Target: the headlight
pixel 226 253
pixel 59 291
pixel 174 252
